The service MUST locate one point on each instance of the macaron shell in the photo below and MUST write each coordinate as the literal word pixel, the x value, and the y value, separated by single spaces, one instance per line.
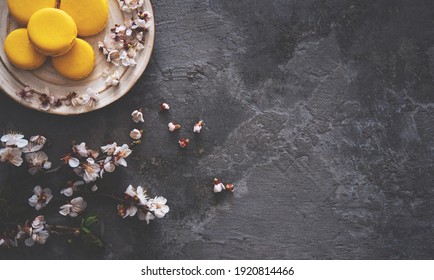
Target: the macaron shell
pixel 20 52
pixel 52 31
pixel 22 10
pixel 78 63
pixel 90 15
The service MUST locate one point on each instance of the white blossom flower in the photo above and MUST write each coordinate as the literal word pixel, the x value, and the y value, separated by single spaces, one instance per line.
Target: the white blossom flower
pixel 111 79
pixel 41 197
pixel 137 116
pixel 94 188
pixel 90 99
pixel 120 154
pixel 37 161
pixel 91 170
pixel 38 233
pixel 75 207
pixel 136 134
pixel 11 155
pixel 158 206
pixel 218 186
pixel 173 126
pixel 26 94
pixel 144 20
pixel 81 149
pixel 14 140
pixel 128 57
pixel 71 188
pixel 164 107
pixel 198 127
pixel 109 149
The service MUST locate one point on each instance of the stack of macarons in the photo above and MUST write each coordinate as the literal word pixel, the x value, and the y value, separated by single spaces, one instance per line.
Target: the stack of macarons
pixel 52 32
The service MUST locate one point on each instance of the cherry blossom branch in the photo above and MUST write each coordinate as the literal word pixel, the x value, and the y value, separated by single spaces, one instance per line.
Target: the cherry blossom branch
pixel 111 196
pixel 57 229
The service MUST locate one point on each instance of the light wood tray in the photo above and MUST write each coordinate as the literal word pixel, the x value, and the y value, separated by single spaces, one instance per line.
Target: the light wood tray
pixel 13 79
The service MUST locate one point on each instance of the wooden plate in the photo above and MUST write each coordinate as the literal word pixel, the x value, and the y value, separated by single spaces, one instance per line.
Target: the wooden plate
pixel 46 78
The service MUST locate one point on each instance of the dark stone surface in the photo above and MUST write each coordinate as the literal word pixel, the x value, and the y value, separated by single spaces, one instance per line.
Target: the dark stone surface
pixel 320 111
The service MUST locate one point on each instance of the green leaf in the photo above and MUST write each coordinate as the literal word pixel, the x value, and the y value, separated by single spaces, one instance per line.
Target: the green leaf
pixel 85 229
pixel 89 220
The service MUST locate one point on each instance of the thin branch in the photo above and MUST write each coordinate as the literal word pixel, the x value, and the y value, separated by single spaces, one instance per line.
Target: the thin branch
pixel 111 196
pixel 56 229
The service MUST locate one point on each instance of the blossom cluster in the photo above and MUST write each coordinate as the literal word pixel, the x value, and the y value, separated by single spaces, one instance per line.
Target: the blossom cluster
pixel 48 101
pixel 34 232
pixel 122 44
pixel 136 202
pixel 129 6
pixel 88 164
pixel 15 146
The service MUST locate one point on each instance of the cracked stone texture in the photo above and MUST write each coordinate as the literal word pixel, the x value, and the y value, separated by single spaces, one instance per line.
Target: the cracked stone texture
pixel 320 112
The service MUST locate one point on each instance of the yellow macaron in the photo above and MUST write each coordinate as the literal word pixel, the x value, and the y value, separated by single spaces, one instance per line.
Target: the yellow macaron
pixel 22 10
pixel 78 63
pixel 20 52
pixel 52 31
pixel 90 15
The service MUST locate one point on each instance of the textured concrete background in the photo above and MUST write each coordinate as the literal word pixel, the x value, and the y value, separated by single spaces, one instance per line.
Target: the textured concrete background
pixel 321 112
